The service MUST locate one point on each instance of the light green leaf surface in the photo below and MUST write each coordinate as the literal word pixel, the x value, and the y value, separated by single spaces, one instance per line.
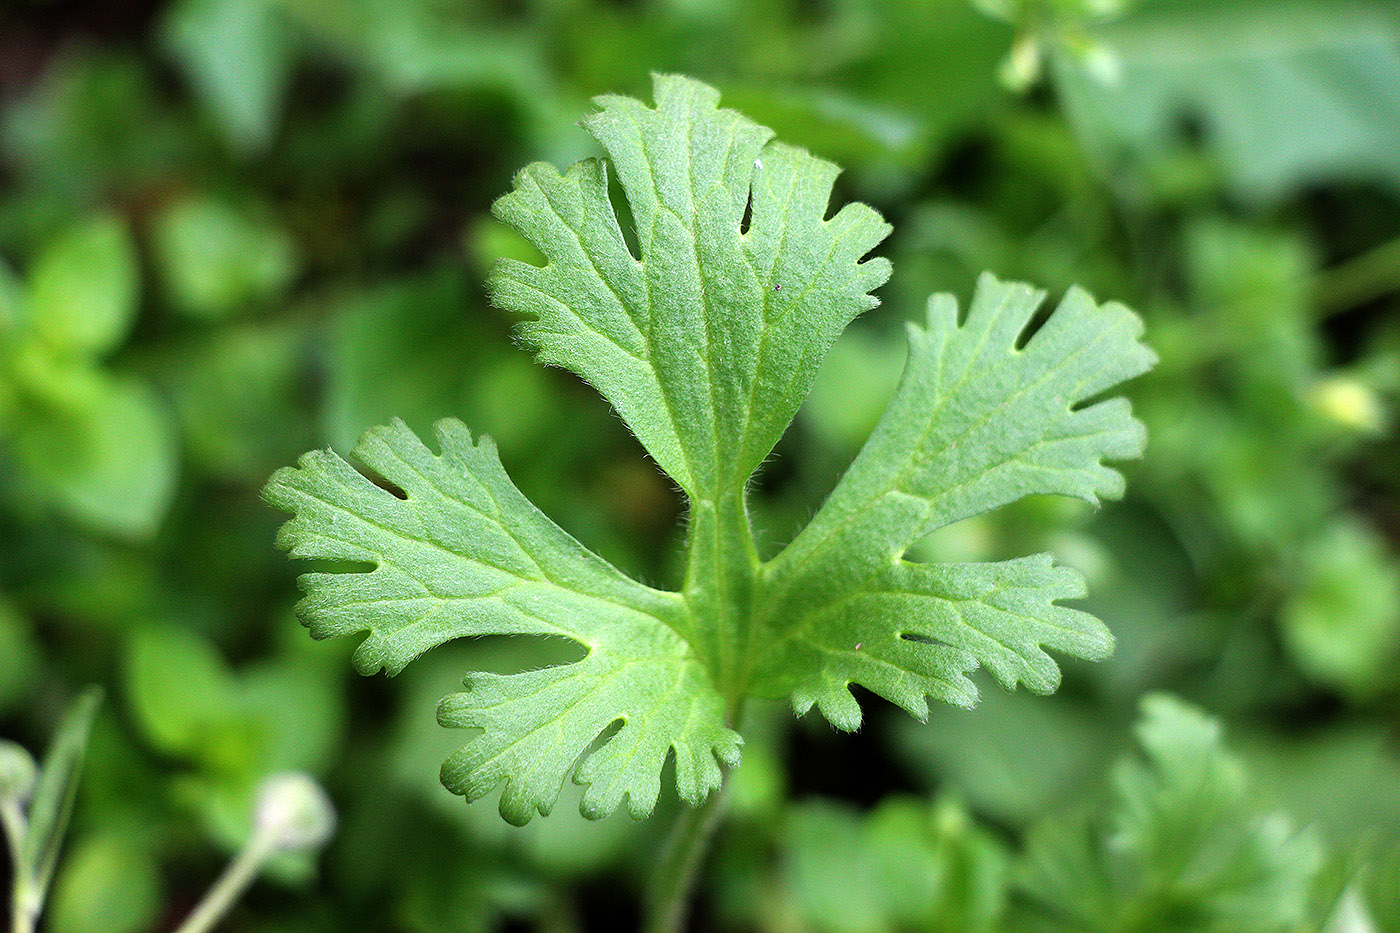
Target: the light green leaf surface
pixel 709 341
pixel 238 56
pixel 706 345
pixel 1342 623
pixel 466 554
pixel 83 288
pixel 108 461
pixel 217 260
pixel 906 864
pixel 975 424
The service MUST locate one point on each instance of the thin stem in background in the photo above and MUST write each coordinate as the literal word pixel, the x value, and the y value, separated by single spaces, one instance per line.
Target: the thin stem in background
pixel 23 914
pixel 671 886
pixel 230 886
pixel 1361 279
pixel 15 825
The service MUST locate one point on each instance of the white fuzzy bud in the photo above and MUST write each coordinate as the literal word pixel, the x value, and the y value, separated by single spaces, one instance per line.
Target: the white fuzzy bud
pixel 294 812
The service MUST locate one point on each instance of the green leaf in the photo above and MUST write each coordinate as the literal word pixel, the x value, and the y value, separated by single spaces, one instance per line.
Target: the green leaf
pixel 54 794
pixel 1342 622
pixel 83 288
pixel 109 884
pixel 1180 847
pixel 708 342
pixel 706 345
pixel 238 56
pixel 975 424
pixel 177 688
pixel 1279 108
pixel 216 260
pixel 231 726
pixel 464 554
pixel 905 865
pixel 109 462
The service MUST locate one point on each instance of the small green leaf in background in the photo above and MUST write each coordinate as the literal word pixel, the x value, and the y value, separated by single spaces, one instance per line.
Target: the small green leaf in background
pixel 178 689
pixel 1342 625
pixel 905 865
pixel 109 883
pixel 1181 845
pixel 98 446
pixel 216 259
pixel 237 54
pixel 109 463
pixel 1278 107
pixel 230 725
pixel 83 288
pixel 236 391
pixel 53 796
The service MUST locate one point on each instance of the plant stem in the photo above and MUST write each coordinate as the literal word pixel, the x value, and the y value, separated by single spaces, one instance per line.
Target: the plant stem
pixel 12 818
pixel 669 891
pixel 21 918
pixel 1373 274
pixel 23 912
pixel 231 884
pixel 722 566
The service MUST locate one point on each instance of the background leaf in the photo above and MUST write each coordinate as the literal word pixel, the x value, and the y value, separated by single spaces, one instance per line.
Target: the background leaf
pixel 83 288
pixel 52 803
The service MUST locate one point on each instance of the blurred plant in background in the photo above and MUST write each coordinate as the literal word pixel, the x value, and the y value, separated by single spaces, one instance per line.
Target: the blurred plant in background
pixel 231 231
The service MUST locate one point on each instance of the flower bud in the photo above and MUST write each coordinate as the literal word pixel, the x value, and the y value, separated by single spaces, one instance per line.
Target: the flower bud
pixel 294 812
pixel 18 772
pixel 1349 403
pixel 1023 65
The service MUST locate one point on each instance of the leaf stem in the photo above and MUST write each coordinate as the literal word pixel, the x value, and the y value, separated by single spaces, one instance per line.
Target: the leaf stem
pixel 671 885
pixel 230 886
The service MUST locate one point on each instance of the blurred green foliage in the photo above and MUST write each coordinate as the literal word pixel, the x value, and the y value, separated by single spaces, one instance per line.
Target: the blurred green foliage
pixel 231 231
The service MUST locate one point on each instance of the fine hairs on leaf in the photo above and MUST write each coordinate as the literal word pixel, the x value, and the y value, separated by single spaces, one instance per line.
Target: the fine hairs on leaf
pixel 706 343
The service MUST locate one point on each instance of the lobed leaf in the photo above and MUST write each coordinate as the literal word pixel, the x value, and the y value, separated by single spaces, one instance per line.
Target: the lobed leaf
pixel 464 553
pixel 977 422
pixel 708 341
pixel 1179 847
